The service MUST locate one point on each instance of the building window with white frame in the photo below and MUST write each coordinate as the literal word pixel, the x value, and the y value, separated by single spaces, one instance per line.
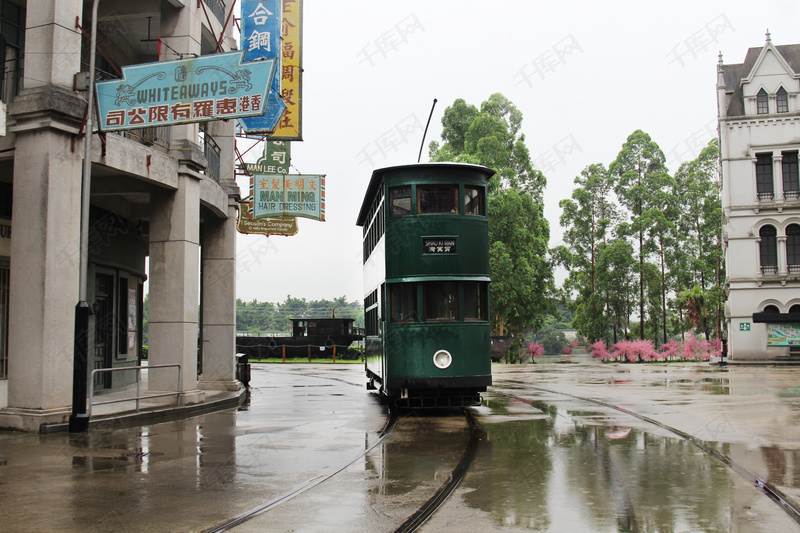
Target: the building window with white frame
pixel 768 249
pixel 791 177
pixel 762 102
pixel 793 248
pixel 783 100
pixel 764 186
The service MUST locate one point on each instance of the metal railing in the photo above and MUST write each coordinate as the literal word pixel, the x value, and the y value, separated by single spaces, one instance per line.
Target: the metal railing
pixel 138 396
pixel 212 152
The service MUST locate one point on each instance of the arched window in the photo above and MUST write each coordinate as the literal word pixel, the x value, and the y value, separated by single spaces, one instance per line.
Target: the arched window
pixel 795 309
pixel 783 101
pixel 768 250
pixel 762 101
pixel 771 309
pixel 793 248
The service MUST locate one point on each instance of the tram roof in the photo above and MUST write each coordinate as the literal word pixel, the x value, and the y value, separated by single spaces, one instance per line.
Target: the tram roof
pixel 377 176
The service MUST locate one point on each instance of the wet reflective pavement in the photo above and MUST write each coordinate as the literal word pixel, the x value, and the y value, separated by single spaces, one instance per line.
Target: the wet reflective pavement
pixel 567 444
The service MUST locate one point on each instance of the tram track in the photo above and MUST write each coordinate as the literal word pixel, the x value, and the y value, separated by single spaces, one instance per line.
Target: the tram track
pixel 790 507
pixel 296 491
pixel 418 518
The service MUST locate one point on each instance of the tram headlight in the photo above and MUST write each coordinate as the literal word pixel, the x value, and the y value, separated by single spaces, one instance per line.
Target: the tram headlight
pixel 442 359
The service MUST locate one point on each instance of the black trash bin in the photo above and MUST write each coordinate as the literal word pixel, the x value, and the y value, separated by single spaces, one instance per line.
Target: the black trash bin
pixel 243 369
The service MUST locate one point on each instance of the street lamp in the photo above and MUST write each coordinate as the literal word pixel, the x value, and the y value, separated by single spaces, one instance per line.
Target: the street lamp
pixel 78 419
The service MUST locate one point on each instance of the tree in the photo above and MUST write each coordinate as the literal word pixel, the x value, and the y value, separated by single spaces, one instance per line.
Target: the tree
pixel 587 217
pixel 694 301
pixel 641 177
pixel 522 277
pixel 490 137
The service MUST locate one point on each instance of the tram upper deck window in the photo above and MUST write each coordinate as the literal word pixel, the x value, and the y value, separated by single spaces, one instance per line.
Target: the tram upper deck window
pixel 473 201
pixel 474 300
pixel 400 198
pixel 404 302
pixel 440 300
pixel 437 199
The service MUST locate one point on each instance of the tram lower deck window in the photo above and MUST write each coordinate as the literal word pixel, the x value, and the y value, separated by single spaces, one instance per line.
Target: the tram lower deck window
pixel 441 300
pixel 437 199
pixel 404 302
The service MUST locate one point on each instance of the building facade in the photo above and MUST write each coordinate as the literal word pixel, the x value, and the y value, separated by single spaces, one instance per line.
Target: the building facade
pixel 163 193
pixel 759 129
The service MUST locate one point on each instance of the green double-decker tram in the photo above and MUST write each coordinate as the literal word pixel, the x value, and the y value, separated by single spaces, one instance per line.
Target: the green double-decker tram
pixel 426 281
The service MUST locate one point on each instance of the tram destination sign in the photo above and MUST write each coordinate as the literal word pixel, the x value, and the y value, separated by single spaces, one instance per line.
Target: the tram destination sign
pixel 210 87
pixel 439 245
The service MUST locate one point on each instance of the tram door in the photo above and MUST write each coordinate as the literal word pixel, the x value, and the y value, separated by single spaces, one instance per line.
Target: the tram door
pixel 103 328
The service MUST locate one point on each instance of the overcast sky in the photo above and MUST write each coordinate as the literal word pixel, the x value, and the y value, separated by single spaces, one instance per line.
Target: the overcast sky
pixel 585 75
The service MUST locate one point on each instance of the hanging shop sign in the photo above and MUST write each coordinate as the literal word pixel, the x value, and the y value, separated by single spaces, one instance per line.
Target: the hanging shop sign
pixel 210 87
pixel 786 334
pixel 288 78
pixel 296 195
pixel 277 159
pixel 265 226
pixel 261 33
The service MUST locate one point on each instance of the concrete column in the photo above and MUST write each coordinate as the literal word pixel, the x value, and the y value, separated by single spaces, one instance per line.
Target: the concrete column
pixel 45 243
pixel 174 278
pixel 219 302
pixel 52 43
pixel 783 268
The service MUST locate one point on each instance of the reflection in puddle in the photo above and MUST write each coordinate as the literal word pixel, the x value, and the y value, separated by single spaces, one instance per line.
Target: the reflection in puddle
pixel 576 470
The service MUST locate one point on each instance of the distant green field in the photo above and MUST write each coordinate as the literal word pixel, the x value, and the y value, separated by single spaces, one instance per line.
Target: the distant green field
pixel 305 360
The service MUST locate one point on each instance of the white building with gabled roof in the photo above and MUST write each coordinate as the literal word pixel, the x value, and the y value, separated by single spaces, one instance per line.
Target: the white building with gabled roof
pixel 759 129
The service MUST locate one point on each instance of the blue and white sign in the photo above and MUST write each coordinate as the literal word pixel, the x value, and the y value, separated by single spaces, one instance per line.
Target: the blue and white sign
pixel 204 88
pixel 261 39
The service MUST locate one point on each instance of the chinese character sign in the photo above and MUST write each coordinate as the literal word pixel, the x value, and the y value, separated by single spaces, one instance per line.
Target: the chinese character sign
pixel 205 88
pixel 261 38
pixel 290 125
pixel 297 195
pixel 277 159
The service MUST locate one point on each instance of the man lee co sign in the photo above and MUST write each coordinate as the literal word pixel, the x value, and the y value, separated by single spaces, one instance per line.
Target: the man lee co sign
pixel 204 88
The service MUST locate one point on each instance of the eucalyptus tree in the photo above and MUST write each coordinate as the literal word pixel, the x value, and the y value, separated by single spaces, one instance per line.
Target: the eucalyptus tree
pixel 698 188
pixel 587 218
pixel 522 277
pixel 615 268
pixel 640 175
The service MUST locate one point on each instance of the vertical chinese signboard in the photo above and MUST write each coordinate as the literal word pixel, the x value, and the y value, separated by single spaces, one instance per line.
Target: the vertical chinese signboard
pixel 291 72
pixel 262 22
pixel 261 39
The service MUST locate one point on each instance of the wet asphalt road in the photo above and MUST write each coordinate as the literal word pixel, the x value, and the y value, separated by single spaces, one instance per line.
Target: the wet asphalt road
pixel 564 447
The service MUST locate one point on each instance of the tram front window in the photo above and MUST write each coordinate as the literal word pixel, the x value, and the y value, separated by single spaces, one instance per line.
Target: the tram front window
pixel 474 300
pixel 401 200
pixel 404 302
pixel 437 199
pixel 440 300
pixel 473 201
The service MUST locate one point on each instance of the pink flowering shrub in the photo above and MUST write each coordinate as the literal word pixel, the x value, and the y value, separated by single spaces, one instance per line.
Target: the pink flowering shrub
pixel 670 350
pixel 643 351
pixel 535 350
pixel 598 350
pixel 637 350
pixel 566 350
pixel 690 350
